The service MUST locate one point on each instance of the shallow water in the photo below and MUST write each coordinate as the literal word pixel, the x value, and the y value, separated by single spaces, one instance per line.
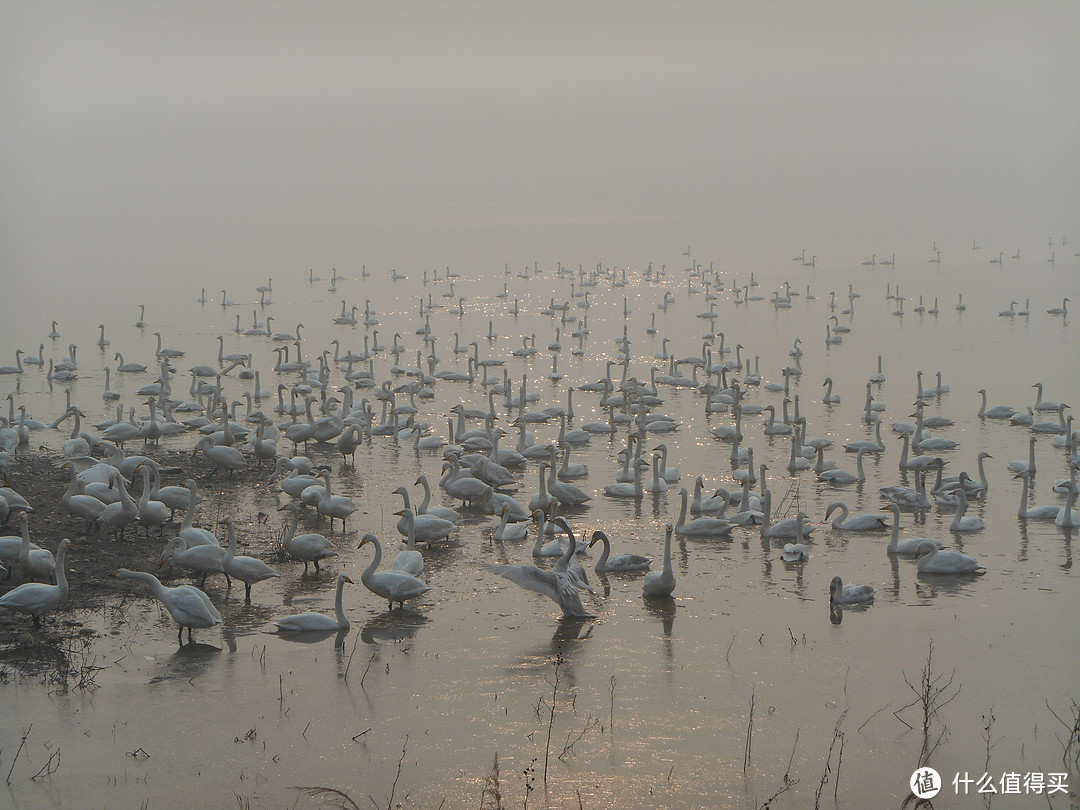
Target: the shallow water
pixel 660 694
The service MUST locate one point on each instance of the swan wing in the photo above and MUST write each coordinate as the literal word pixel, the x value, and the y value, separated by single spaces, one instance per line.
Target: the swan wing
pixel 190 607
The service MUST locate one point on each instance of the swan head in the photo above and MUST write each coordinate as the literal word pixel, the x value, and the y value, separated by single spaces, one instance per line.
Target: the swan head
pixel 367 538
pixel 925 547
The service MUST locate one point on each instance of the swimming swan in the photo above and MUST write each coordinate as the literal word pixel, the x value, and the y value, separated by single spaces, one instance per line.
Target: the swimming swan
pixel 307 622
pixel 841 594
pixel 661 584
pixel 618 563
pixel 932 560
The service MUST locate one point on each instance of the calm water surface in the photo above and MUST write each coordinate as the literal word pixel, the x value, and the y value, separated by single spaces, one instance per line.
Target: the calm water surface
pixel 654 697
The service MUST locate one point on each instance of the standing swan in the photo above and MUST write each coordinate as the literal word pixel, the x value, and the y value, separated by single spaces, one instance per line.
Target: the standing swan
pixel 248 570
pixel 306 547
pixel 188 605
pixel 307 622
pixel 35 598
pixel 394 586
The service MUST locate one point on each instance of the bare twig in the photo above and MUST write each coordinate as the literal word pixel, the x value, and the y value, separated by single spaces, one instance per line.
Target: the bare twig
pixel 19 751
pixel 48 769
pixel 749 733
pixel 551 710
pixel 611 710
pixel 369 663
pixel 331 797
pixel 791 759
pixel 1072 743
pixel 401 759
pixel 837 735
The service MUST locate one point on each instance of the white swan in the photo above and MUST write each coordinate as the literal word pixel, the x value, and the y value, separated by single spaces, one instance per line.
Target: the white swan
pixel 507 530
pixel 34 598
pixel 426 528
pixel 305 547
pixel 838 477
pixel 1046 512
pixel 787 528
pixel 308 622
pixel 1062 310
pixel 152 513
pixel 875 445
pixel 628 490
pixel 995 412
pixel 557 584
pixel 409 559
pixel 444 512
pixel 394 586
pixel 36 562
pixel 618 563
pixel 702 526
pixel 248 570
pixel 1043 404
pixel 221 456
pixel 830 398
pixel 932 560
pixel 188 605
pixel 909 545
pixel 1020 465
pixel 661 584
pixel 566 494
pixel 841 594
pixel 867 521
pixel 334 506
pixel 962 522
pixel 1067 517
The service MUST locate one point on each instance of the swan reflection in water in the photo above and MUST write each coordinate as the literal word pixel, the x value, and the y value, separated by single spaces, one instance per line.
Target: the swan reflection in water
pixel 190 661
pixel 392 626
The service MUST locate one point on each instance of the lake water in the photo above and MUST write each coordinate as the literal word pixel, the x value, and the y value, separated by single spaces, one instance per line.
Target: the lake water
pixel 654 698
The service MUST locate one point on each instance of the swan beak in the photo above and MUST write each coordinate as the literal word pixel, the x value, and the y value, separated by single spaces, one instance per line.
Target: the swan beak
pixel 348 580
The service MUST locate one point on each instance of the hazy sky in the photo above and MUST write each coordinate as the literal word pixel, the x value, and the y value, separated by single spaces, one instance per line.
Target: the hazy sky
pixel 227 137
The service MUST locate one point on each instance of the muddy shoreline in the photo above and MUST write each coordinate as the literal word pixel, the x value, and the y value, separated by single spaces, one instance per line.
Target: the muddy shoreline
pixel 94 556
